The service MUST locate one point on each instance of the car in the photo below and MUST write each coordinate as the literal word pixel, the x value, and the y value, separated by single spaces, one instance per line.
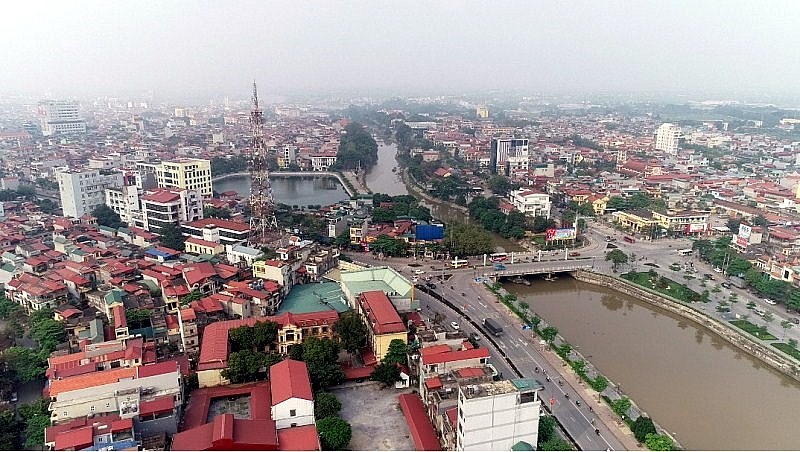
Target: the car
pixel 14 397
pixel 454 325
pixel 794 320
pixel 431 285
pixel 574 254
pixel 419 272
pixel 708 276
pixel 726 285
pixel 474 336
pixel 717 270
pixel 768 301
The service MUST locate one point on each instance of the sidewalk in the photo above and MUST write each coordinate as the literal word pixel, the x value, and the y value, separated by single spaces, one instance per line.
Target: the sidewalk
pixel 602 411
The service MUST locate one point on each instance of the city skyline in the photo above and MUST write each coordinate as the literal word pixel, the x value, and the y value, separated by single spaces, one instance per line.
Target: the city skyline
pixel 189 50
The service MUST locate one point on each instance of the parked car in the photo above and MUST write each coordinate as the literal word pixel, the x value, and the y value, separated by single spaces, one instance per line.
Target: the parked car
pixel 726 285
pixel 454 325
pixel 718 270
pixel 574 254
pixel 431 285
pixel 474 336
pixel 794 320
pixel 419 272
pixel 768 301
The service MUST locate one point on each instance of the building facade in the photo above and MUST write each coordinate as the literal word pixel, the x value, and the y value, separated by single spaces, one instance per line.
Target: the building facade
pixel 667 138
pixel 82 190
pixel 531 202
pixel 189 174
pixel 509 153
pixel 170 206
pixel 60 117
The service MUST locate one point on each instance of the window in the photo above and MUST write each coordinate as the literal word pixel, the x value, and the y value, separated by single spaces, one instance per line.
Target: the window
pixel 292 413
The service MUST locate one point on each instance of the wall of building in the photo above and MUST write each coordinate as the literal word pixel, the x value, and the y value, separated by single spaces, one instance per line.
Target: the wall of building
pixel 304 413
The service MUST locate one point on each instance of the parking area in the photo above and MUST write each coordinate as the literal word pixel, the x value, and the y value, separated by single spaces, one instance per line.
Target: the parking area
pixel 375 416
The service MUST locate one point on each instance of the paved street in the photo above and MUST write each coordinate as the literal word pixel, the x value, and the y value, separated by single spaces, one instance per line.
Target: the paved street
pixel 525 352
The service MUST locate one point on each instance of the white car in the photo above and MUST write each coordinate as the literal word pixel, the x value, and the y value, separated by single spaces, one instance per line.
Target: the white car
pixel 768 301
pixel 454 325
pixel 419 272
pixel 718 270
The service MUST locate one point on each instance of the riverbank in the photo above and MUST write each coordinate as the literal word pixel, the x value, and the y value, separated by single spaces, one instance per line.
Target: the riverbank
pixel 415 189
pixel 353 190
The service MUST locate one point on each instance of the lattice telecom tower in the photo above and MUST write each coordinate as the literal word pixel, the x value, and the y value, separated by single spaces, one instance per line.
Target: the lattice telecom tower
pixel 262 205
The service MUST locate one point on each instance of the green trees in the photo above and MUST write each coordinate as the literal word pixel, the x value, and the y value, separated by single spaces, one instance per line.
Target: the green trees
pixel 224 165
pixel 386 373
pixel 487 212
pixel 641 427
pixel 352 331
pixel 245 366
pixel 213 212
pixel 621 406
pixel 356 147
pixel 501 185
pixel 549 333
pixel 326 405
pixel 658 442
pixel 322 358
pixel 107 217
pixel 27 365
pixel 392 207
pixel 547 427
pixel 334 433
pixel 9 431
pixel 555 443
pixel 171 237
pixel 256 338
pixel 48 333
pixel 36 418
pixel 389 246
pixel 467 240
pixel 397 352
pixel 617 257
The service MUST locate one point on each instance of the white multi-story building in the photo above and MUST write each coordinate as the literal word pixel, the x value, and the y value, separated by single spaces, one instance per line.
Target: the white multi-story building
pixel 667 137
pixel 531 202
pixel 82 190
pixel 165 206
pixel 509 154
pixel 287 156
pixel 60 116
pixel 185 173
pixel 498 415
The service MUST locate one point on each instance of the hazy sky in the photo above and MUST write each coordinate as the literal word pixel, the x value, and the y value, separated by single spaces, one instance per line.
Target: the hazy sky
pixel 214 48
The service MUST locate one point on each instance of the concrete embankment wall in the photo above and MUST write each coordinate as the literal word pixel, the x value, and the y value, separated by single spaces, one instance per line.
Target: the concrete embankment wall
pixel 767 354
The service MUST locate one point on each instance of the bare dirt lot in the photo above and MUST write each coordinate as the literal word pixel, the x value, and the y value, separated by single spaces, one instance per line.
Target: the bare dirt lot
pixel 374 414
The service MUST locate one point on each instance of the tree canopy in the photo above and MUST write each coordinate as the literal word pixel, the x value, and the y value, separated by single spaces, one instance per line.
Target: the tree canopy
pixel 386 373
pixel 467 240
pixel 225 165
pixel 245 366
pixel 334 433
pixel 617 257
pixel 641 427
pixel 171 237
pixel 326 404
pixel 352 331
pixel 397 353
pixel 356 147
pixel 487 212
pixel 322 358
pixel 107 217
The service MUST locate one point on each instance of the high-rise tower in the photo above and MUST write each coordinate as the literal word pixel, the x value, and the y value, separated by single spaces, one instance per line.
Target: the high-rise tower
pixel 262 205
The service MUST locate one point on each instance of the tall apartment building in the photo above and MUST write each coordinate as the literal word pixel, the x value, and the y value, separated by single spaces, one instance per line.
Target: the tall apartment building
pixel 498 415
pixel 287 156
pixel 126 202
pixel 82 190
pixel 509 155
pixel 60 116
pixel 183 173
pixel 667 137
pixel 170 206
pixel 531 202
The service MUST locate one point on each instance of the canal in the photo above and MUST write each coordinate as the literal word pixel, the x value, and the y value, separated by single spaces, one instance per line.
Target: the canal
pixel 385 177
pixel 709 394
pixel 294 191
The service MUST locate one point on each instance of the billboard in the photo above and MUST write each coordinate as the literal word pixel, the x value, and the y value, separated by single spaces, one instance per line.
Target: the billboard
pixel 695 227
pixel 429 232
pixel 741 241
pixel 560 234
pixel 745 230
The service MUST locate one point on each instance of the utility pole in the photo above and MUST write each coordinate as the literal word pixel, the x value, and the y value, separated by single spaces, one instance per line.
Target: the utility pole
pixel 262 204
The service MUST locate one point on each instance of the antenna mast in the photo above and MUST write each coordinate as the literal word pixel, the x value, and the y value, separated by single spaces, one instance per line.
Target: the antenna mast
pixel 262 204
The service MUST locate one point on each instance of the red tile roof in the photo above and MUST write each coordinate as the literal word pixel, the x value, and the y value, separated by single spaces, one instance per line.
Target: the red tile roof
pixel 289 379
pixel 219 223
pixel 381 312
pixel 458 355
pixel 75 439
pixel 162 404
pixel 162 196
pixel 304 437
pixel 227 433
pixel 422 431
pixel 260 401
pixel 214 349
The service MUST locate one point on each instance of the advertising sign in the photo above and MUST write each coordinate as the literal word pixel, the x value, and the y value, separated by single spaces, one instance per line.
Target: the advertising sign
pixel 741 241
pixel 560 234
pixel 745 230
pixel 695 227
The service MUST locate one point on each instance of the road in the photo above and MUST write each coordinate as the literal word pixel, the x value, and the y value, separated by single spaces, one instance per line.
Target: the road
pixel 525 352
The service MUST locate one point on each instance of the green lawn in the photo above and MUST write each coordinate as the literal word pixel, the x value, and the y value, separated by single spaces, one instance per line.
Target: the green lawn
pixel 666 286
pixel 788 349
pixel 753 330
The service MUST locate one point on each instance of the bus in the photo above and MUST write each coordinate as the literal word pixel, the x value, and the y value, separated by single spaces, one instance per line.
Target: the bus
pixel 498 257
pixel 629 239
pixel 458 263
pixel 685 252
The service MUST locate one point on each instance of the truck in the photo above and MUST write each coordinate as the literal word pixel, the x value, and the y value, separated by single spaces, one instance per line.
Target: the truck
pixel 738 282
pixel 492 326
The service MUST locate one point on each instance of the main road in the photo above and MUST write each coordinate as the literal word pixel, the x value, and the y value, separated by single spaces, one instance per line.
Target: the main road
pixel 521 348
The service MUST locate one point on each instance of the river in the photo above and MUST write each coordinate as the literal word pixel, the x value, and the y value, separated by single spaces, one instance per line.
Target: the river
pixel 299 191
pixel 710 394
pixel 381 179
